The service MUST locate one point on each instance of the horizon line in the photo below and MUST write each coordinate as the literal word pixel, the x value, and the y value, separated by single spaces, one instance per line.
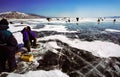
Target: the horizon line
pixel 117 16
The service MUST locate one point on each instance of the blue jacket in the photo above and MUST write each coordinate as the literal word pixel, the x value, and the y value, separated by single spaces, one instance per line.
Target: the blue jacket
pixel 25 35
pixel 33 35
pixel 7 39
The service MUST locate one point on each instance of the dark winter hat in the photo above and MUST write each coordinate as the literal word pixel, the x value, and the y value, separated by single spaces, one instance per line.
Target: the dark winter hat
pixel 4 22
pixel 28 27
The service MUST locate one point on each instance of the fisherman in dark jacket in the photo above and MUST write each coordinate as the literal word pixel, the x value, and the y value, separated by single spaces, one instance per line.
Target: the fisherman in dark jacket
pixel 8 46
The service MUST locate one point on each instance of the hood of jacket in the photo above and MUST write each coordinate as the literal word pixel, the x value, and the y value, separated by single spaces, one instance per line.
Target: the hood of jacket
pixel 4 24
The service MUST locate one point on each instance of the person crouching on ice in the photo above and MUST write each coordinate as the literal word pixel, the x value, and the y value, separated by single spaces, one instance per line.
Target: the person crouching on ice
pixel 8 46
pixel 32 37
pixel 26 39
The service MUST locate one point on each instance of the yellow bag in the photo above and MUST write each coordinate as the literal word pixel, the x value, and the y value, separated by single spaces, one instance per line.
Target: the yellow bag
pixel 27 57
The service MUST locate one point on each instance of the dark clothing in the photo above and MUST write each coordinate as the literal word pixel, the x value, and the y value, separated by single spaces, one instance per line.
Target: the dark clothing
pixel 8 46
pixel 27 45
pixel 32 37
pixel 7 55
pixel 26 39
pixel 77 19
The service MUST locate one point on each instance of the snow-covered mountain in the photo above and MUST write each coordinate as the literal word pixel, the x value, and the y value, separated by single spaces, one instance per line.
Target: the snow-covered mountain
pixel 19 15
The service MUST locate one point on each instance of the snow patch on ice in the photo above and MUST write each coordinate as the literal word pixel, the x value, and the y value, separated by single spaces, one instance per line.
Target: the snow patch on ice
pixel 98 48
pixel 54 45
pixel 40 73
pixel 112 30
pixel 58 28
pixel 18 37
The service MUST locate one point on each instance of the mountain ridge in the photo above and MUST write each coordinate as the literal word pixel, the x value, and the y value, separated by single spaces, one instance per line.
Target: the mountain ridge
pixel 19 15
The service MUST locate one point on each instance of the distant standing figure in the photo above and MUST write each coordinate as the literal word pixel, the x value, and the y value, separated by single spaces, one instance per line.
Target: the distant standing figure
pixel 32 36
pixel 8 47
pixel 77 19
pixel 26 39
pixel 68 20
pixel 98 21
pixel 114 20
pixel 102 19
